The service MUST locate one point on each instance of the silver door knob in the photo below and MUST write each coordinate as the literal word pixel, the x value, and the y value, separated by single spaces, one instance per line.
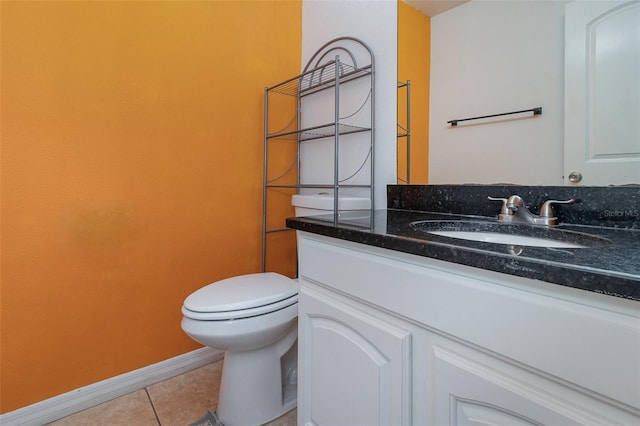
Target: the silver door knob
pixel 575 177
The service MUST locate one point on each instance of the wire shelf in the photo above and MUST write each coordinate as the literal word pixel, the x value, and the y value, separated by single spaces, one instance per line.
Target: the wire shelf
pixel 318 132
pixel 320 78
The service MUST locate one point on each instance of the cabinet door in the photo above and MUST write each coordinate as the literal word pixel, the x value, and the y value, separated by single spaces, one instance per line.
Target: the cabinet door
pixel 474 388
pixel 354 366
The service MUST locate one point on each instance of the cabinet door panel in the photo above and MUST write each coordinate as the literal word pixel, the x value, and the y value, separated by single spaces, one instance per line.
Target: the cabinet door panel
pixel 355 369
pixel 472 413
pixel 472 388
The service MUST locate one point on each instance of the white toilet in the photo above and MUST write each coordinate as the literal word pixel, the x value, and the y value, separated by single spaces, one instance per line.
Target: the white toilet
pixel 253 318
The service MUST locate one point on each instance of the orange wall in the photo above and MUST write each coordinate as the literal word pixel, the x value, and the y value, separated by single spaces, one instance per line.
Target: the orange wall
pixel 131 176
pixel 414 43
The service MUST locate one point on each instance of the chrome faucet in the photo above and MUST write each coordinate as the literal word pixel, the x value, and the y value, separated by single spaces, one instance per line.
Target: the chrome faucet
pixel 514 210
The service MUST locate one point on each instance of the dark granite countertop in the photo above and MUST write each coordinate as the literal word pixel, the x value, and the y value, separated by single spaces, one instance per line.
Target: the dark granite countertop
pixel 609 265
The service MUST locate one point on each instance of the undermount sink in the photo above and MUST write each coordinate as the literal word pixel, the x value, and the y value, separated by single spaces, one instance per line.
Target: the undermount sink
pixel 499 238
pixel 509 234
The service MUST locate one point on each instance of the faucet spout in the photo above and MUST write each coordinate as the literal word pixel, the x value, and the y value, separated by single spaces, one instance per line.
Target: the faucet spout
pixel 519 211
pixel 514 203
pixel 521 214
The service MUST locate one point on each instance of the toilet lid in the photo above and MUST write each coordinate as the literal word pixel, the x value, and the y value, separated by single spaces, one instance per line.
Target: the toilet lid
pixel 241 296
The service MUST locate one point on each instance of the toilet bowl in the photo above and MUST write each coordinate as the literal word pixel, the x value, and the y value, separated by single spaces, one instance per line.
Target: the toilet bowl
pixel 253 318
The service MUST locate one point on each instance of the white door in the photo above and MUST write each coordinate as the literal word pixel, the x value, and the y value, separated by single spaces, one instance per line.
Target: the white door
pixel 602 93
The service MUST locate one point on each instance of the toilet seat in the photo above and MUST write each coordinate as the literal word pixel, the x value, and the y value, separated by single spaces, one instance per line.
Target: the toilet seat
pixel 241 297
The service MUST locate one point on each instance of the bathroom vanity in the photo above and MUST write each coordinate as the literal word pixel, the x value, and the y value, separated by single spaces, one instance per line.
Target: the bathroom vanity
pixel 400 325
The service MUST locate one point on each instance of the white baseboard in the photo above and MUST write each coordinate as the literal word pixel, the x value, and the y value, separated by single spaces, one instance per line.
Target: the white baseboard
pixel 85 397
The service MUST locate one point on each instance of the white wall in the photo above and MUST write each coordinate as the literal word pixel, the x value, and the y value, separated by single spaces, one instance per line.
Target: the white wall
pixel 375 23
pixel 491 57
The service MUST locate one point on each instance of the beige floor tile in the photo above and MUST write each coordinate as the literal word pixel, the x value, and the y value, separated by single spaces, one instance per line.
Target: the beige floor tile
pixel 133 409
pixel 184 399
pixel 289 419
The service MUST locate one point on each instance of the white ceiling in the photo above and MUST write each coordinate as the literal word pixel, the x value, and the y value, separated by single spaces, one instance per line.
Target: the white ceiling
pixel 434 7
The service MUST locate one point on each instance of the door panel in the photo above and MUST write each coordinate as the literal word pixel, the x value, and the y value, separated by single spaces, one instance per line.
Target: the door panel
pixel 471 388
pixel 602 92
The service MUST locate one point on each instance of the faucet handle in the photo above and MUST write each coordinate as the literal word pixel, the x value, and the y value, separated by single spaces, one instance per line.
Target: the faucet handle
pixel 547 211
pixel 504 209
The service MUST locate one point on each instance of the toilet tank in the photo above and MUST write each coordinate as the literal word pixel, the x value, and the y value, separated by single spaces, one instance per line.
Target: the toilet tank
pixel 317 204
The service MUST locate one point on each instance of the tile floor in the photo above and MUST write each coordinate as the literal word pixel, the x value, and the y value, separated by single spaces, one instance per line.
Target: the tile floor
pixel 178 401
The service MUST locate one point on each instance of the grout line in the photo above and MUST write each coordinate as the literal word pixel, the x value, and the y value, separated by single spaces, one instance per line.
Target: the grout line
pixel 153 407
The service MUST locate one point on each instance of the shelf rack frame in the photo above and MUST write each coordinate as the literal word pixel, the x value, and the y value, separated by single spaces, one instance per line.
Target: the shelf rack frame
pixel 338 62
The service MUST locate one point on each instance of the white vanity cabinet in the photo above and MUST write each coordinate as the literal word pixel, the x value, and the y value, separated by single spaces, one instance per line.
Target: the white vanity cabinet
pixel 397 339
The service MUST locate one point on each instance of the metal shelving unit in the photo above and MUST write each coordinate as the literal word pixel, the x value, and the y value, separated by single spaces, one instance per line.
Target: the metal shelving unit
pixel 317 107
pixel 404 131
